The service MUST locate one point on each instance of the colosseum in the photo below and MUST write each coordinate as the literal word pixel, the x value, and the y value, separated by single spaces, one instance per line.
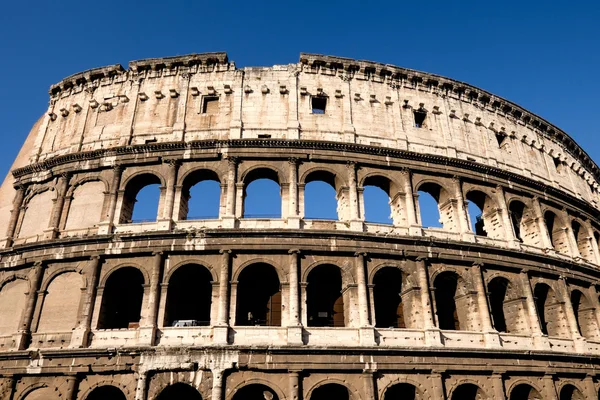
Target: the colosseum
pixel 95 304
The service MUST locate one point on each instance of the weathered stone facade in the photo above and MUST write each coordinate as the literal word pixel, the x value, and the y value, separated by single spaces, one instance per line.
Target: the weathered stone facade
pixel 95 305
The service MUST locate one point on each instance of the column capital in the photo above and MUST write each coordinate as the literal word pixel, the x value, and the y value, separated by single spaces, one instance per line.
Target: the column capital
pixel 478 264
pixel 361 253
pixel 157 253
pixel 118 167
pixel 225 251
pixel 232 160
pixel 95 257
pixel 294 161
pixel 172 162
pixel 294 251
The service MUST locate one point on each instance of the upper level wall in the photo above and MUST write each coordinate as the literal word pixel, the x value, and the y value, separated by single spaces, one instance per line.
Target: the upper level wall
pixel 167 100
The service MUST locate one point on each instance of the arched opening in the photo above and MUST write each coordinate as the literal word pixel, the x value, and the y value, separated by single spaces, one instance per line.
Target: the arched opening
pixel 179 391
pixel 524 224
pixel 255 391
pixel 376 197
pixel 106 392
pixel 557 232
pixel 258 296
pixel 525 392
pixel 389 311
pixel 508 307
pixel 12 305
pixel 445 285
pixel 584 246
pixel 320 197
pixel 570 392
pixel 516 210
pixel 38 210
pixel 476 202
pixel 60 305
pixel 404 391
pixel 330 391
pixel 468 391
pixel 141 199
pixel 435 211
pixel 550 311
pixel 122 300
pixel 200 196
pixel 325 302
pixel 189 297
pixel 585 315
pixel 85 207
pixel 262 194
pixel 44 393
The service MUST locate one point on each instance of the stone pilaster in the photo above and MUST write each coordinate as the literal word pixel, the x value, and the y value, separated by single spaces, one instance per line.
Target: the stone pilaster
pixel 80 337
pixel 221 329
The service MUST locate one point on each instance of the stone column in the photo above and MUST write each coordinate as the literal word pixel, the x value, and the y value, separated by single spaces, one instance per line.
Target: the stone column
pixel 367 333
pixel 171 184
pixel 140 388
pixel 432 334
pixel 72 386
pixel 540 342
pixel 295 324
pixel 108 219
pixel 368 385
pixel 508 228
pixel 498 383
pixel 463 220
pixel 294 385
pixel 217 384
pixel 593 296
pixel 6 387
pixel 230 206
pixel 590 388
pixel 23 335
pixel 572 240
pixel 437 386
pixel 593 242
pixel 549 388
pixel 356 223
pixel 14 215
pixel 411 211
pixel 221 330
pixel 293 220
pixel 148 331
pixel 570 314
pixel 80 337
pixel 537 210
pixel 62 186
pixel 491 336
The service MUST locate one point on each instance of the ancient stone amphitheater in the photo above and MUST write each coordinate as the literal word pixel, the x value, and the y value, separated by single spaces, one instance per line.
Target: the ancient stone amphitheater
pixel 94 305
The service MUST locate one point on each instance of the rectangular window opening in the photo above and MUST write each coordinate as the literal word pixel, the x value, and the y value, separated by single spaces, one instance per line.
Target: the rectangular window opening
pixel 318 105
pixel 210 105
pixel 264 136
pixel 419 118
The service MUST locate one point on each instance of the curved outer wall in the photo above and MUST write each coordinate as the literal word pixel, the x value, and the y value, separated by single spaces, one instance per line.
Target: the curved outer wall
pixel 522 279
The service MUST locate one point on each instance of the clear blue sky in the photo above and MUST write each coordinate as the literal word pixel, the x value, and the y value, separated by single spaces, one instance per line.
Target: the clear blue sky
pixel 543 55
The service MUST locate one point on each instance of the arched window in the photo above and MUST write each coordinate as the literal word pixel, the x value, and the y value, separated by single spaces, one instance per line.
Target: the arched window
pixel 516 211
pixel 106 392
pixel 445 291
pixel 320 197
pixel 476 202
pixel 122 299
pixel 377 200
pixel 584 246
pixel 330 391
pixel 570 392
pixel 525 392
pixel 37 214
pixel 258 296
pixel 509 312
pixel 255 391
pixel 179 391
pixel 43 393
pixel 550 311
pixel 557 232
pixel 431 199
pixel 262 194
pixel 200 196
pixel 59 310
pixel 404 391
pixel 141 199
pixel 12 305
pixel 585 315
pixel 85 207
pixel 468 391
pixel 325 302
pixel 189 296
pixel 389 310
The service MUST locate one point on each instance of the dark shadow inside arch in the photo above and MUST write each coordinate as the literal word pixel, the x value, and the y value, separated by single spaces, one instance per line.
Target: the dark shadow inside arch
pixel 524 392
pixel 122 299
pixel 376 197
pixel 497 289
pixel 389 311
pixel 200 196
pixel 189 296
pixel 179 391
pixel 467 391
pixel 141 199
pixel 258 296
pixel 445 292
pixel 404 391
pixel 262 194
pixel 107 392
pixel 516 210
pixel 330 391
pixel 540 294
pixel 550 220
pixel 325 302
pixel 320 197
pixel 256 392
pixel 570 392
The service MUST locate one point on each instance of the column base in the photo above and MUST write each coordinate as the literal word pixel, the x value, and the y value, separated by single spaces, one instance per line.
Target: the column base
pixel 415 231
pixel 20 340
pixel 221 335
pixel 492 340
pixel 6 242
pixel 235 129
pixel 51 233
pixel 293 222
pixel 468 237
pixel 293 130
pixel 294 335
pixel 541 343
pixel 105 228
pixel 580 345
pixel 433 338
pixel 367 336
pixel 80 338
pixel 147 335
pixel 357 226
pixel 164 224
pixel 228 221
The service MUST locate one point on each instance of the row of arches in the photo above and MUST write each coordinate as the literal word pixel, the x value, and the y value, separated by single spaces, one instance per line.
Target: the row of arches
pixel 326 391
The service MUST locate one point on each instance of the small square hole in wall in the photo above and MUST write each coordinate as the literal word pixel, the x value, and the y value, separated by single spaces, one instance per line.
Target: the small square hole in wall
pixel 420 118
pixel 210 105
pixel 558 165
pixel 318 105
